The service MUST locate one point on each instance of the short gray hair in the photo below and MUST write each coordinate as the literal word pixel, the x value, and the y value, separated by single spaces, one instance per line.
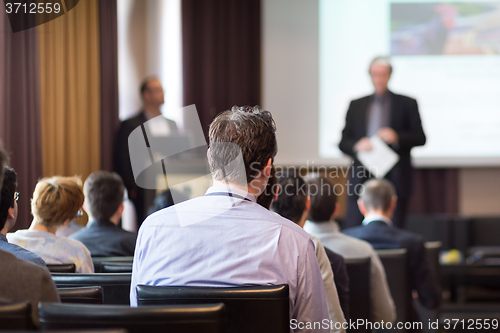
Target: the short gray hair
pixel 378 194
pixel 384 61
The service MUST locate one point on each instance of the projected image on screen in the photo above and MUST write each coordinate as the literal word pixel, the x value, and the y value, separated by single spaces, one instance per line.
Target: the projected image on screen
pixel 446 55
pixel 445 28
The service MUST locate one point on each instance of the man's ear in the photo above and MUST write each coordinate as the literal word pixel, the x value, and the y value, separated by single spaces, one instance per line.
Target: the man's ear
pixel 65 223
pixel 335 211
pixel 394 202
pixel 267 168
pixel 361 207
pixel 208 156
pixel 308 204
pixel 120 209
pixel 10 213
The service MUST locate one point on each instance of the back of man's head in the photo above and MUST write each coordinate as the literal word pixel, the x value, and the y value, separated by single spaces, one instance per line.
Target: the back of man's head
pixel 9 187
pixel 377 195
pixel 292 197
pixel 323 199
pixel 104 193
pixel 246 130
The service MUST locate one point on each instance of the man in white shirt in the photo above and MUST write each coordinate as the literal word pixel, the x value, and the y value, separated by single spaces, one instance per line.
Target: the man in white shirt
pixel 225 238
pixel 321 223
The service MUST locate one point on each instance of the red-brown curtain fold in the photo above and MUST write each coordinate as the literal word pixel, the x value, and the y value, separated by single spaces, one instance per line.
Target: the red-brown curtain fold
pixel 221 55
pixel 20 128
pixel 108 33
pixel 435 191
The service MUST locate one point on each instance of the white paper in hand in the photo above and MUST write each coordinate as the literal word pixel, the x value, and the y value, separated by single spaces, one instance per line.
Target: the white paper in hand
pixel 380 160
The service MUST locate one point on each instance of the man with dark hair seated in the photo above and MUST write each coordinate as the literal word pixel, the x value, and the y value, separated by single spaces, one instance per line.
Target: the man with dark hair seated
pixel 321 223
pixel 8 217
pixel 293 203
pixel 104 192
pixel 225 238
pixel 21 280
pixel 377 203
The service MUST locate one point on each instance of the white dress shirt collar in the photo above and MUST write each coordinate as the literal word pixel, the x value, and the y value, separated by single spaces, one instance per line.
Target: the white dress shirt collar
pixel 376 217
pixel 232 190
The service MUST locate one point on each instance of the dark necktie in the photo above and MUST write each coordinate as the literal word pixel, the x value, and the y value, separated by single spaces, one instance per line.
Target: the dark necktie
pixel 375 117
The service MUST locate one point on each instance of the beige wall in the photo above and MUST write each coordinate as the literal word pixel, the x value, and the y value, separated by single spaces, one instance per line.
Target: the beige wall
pixel 479 191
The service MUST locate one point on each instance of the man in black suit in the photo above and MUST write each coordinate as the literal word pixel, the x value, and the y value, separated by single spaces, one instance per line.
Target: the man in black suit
pixel 153 98
pixel 396 120
pixel 377 203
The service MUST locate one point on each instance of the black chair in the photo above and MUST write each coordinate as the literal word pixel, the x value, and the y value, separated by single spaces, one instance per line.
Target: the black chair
pixel 117 267
pixel 81 295
pixel 360 301
pixel 16 316
pixel 98 261
pixel 180 318
pixel 115 287
pixel 248 309
pixel 396 270
pixel 62 268
pixel 118 330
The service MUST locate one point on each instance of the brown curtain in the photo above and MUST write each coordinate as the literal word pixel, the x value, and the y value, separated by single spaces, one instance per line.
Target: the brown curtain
pixel 20 110
pixel 221 55
pixel 108 34
pixel 435 191
pixel 70 92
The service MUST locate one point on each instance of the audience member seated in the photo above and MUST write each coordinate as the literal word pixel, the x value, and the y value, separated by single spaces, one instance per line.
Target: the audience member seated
pixel 322 224
pixel 21 280
pixel 8 217
pixel 377 203
pixel 225 238
pixel 104 192
pixel 165 199
pixel 56 201
pixel 293 203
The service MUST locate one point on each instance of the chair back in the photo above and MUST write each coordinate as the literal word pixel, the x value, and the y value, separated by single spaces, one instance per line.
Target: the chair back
pixel 115 286
pixel 62 268
pixel 16 316
pixel 117 267
pixel 152 319
pixel 396 270
pixel 98 261
pixel 360 301
pixel 81 295
pixel 432 250
pixel 252 309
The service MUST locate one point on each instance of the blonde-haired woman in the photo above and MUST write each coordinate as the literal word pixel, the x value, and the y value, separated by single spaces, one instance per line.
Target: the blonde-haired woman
pixel 56 201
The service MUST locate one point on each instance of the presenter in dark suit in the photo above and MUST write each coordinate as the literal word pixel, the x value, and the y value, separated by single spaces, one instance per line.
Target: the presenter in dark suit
pixel 396 120
pixel 377 203
pixel 153 98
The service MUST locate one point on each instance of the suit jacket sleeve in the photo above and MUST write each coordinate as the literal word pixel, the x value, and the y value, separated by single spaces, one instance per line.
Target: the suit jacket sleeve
pixel 414 135
pixel 341 279
pixel 348 140
pixel 121 158
pixel 423 281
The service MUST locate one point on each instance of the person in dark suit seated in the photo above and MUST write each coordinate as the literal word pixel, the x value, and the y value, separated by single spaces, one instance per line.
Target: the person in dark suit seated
pixel 153 98
pixel 8 217
pixel 377 203
pixel 104 192
pixel 293 203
